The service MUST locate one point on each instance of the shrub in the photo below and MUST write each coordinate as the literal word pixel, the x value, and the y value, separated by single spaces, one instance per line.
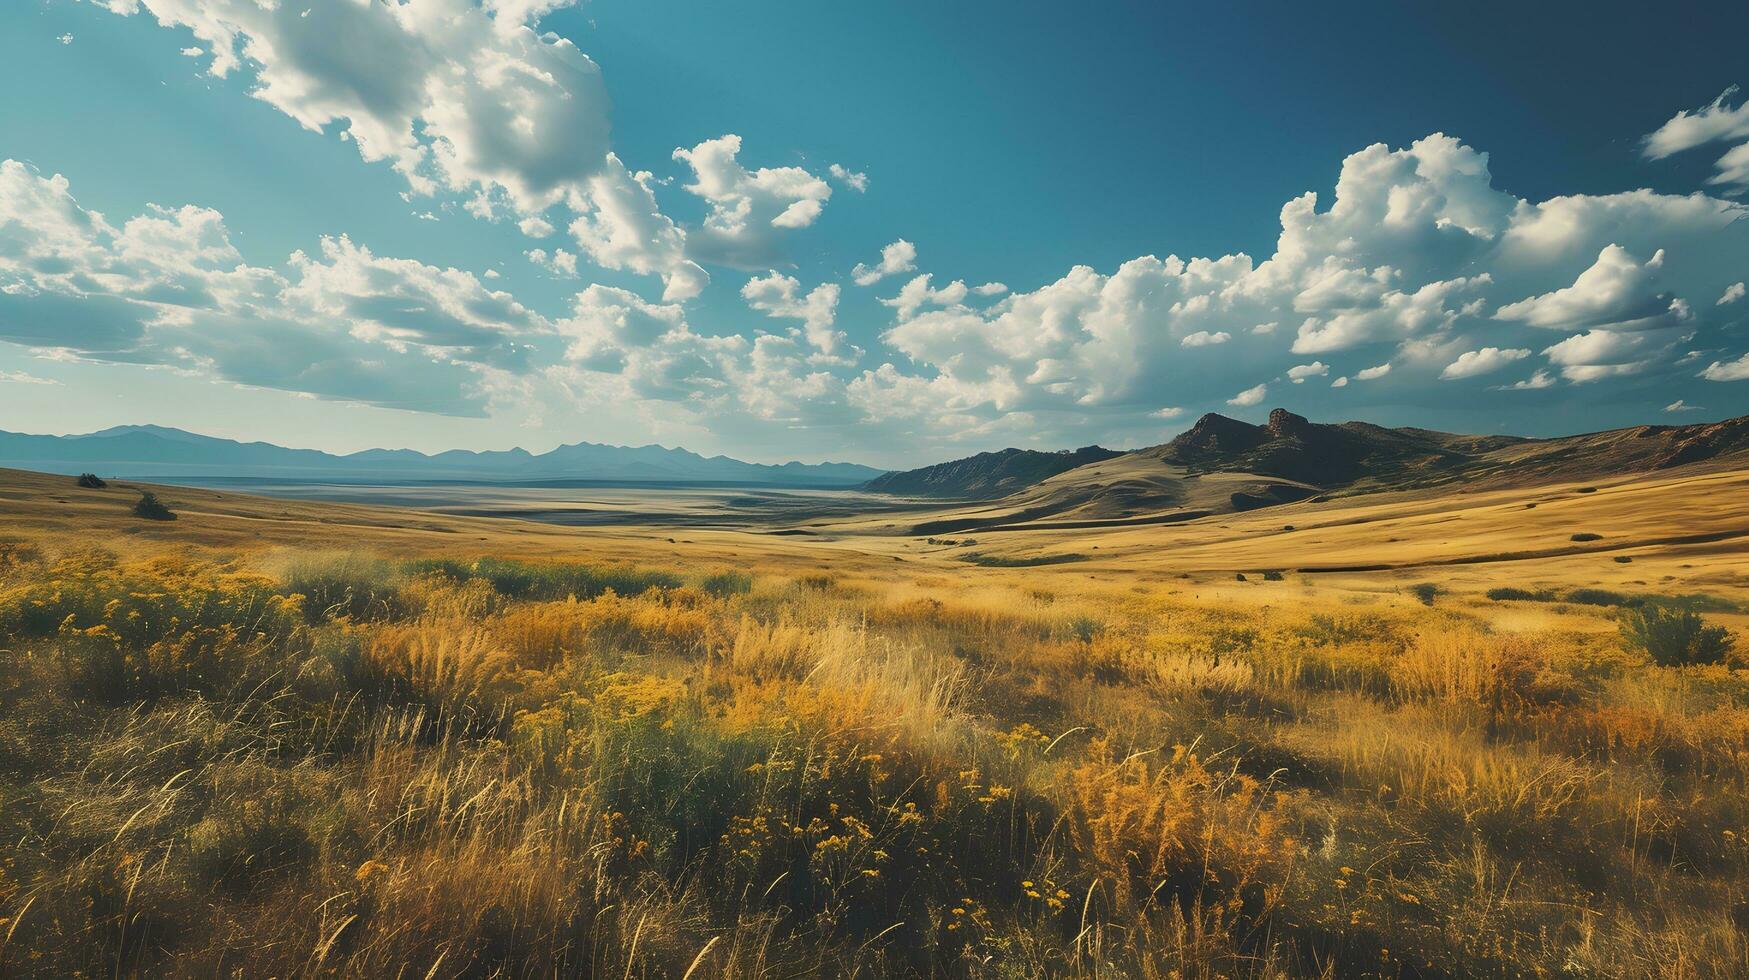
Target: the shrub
pixel 550 580
pixel 1505 593
pixel 1600 597
pixel 1586 536
pixel 1240 577
pixel 336 585
pixel 1621 559
pixel 725 584
pixel 1675 637
pixel 91 481
pixel 153 509
pixel 1272 576
pixel 1424 591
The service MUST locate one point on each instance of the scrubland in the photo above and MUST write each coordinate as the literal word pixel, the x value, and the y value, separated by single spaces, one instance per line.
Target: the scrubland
pixel 281 762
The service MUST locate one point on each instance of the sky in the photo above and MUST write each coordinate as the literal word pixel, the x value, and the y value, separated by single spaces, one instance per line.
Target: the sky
pixel 884 233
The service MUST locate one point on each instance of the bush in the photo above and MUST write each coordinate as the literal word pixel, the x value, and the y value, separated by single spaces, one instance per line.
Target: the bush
pixel 1424 591
pixel 1272 576
pixel 547 581
pixel 1675 637
pixel 1505 593
pixel 91 481
pixel 1586 536
pixel 1600 597
pixel 153 509
pixel 725 584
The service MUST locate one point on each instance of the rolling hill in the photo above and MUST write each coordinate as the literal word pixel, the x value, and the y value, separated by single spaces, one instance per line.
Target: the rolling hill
pixel 156 452
pixel 1224 465
pixel 987 475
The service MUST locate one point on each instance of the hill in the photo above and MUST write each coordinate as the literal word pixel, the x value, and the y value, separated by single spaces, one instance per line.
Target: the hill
pixel 987 475
pixel 156 452
pixel 1223 465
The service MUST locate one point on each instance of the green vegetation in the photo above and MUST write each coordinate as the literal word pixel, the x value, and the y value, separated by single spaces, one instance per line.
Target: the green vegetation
pixel 91 481
pixel 152 509
pixel 1675 637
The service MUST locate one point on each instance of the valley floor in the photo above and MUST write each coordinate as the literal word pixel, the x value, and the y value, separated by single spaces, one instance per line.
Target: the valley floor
pixel 1500 733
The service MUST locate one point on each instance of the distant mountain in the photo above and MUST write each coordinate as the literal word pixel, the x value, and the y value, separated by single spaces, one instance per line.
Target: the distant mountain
pixel 1360 455
pixel 155 452
pixel 1221 465
pixel 987 475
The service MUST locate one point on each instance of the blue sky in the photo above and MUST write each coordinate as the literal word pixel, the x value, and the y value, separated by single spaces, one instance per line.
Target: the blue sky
pixel 315 226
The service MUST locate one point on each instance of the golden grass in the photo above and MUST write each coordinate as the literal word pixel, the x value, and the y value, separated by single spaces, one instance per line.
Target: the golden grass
pixel 867 768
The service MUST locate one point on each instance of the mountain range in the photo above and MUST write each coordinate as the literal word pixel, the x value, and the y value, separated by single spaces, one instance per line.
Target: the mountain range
pixel 1221 465
pixel 145 452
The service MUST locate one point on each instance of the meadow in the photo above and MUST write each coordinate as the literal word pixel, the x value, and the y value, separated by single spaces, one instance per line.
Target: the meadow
pixel 279 762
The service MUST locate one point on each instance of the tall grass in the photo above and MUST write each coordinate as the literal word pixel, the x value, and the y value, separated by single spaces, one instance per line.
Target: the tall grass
pixel 361 766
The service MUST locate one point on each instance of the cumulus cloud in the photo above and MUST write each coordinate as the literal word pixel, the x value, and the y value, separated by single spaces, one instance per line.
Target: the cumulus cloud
pixel 779 295
pixel 1616 290
pixel 1367 374
pixel 853 179
pixel 1485 361
pixel 1737 370
pixel 1170 412
pixel 169 288
pixel 1250 396
pixel 1299 373
pixel 1537 381
pixel 456 97
pixel 1203 338
pixel 1734 292
pixel 748 209
pixel 1597 354
pixel 624 229
pixel 1719 122
pixel 558 262
pixel 918 293
pixel 1681 406
pixel 900 256
pixel 1341 382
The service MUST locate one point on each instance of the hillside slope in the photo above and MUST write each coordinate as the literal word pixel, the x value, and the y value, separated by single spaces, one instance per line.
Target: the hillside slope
pixel 1224 465
pixel 987 475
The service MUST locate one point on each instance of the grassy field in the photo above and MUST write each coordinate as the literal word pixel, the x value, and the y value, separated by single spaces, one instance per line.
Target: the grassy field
pixel 1411 736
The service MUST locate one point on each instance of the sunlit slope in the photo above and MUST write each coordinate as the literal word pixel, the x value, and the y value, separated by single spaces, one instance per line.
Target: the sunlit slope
pixel 1693 524
pixel 1680 529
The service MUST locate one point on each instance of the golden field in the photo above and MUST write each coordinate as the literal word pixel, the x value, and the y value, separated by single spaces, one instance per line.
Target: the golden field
pixel 276 738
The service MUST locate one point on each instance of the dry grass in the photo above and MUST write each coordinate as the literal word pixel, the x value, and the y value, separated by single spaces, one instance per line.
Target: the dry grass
pixel 272 762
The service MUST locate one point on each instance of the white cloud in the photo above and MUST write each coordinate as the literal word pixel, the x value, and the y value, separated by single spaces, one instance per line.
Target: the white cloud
pixel 1170 412
pixel 1681 406
pixel 1250 396
pixel 24 378
pixel 534 226
pixel 1485 361
pixel 917 293
pixel 990 289
pixel 1737 370
pixel 1299 373
pixel 1734 292
pixel 748 209
pixel 1719 122
pixel 559 262
pixel 1616 290
pixel 1598 354
pixel 900 256
pixel 1368 374
pixel 456 97
pixel 779 295
pixel 853 179
pixel 65 39
pixel 1537 381
pixel 1341 382
pixel 626 230
pixel 1202 338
